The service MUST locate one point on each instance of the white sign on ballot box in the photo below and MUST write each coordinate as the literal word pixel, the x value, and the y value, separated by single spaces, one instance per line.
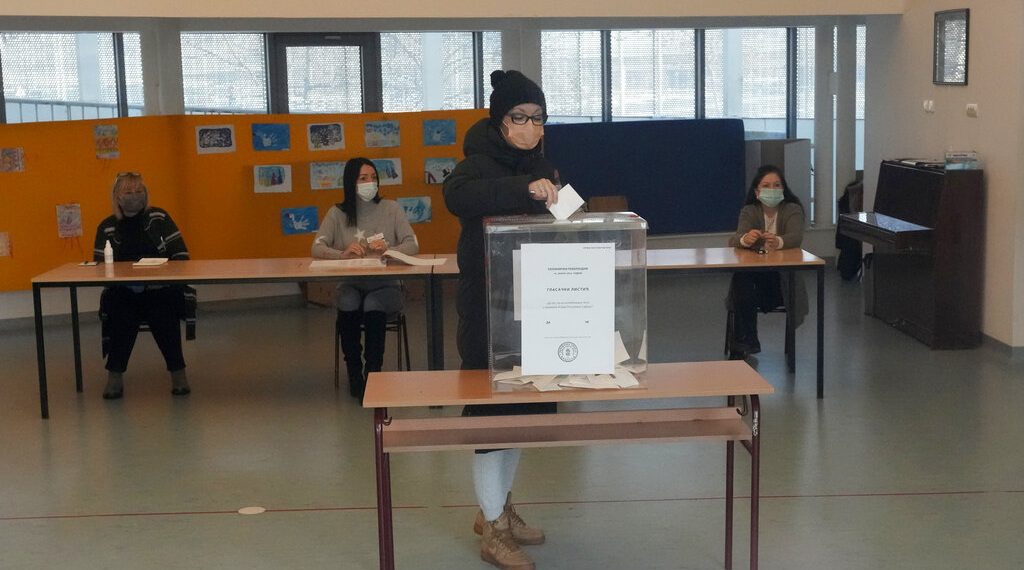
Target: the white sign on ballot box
pixel 568 308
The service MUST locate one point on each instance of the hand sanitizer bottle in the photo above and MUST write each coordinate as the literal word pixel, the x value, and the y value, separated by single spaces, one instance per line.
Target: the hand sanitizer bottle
pixel 108 253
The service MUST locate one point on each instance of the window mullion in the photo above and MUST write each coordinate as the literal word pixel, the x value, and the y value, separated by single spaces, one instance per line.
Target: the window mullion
pixel 699 110
pixel 120 76
pixel 606 76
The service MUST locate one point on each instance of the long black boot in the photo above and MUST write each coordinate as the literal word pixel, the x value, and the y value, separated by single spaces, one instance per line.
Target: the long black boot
pixel 350 329
pixel 374 322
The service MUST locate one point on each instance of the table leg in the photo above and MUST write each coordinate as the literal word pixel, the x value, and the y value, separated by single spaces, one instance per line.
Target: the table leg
pixel 437 324
pixel 791 325
pixel 37 306
pixel 385 538
pixel 730 447
pixel 755 475
pixel 77 336
pixel 821 332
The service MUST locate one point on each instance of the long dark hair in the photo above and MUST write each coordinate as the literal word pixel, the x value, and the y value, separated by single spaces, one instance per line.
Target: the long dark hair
pixel 787 194
pixel 349 180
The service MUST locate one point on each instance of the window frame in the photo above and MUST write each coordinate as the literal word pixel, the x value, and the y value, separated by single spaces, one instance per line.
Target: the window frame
pixel 277 45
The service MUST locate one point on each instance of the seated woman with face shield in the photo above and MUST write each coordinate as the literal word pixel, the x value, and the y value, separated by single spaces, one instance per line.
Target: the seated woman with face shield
pixel 364 225
pixel 136 230
pixel 772 218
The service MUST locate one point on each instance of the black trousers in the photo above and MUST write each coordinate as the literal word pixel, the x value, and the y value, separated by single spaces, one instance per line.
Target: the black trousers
pixel 160 309
pixel 752 291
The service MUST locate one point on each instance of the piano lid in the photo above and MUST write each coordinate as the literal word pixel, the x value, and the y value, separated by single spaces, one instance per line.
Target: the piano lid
pixel 879 229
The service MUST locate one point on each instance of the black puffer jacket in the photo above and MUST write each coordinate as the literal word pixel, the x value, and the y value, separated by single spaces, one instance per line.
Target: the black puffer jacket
pixel 493 180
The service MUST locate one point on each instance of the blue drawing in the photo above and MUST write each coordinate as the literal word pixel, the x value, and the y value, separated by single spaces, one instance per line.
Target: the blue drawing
pixel 438 132
pixel 389 170
pixel 437 169
pixel 382 134
pixel 299 220
pixel 417 209
pixel 271 136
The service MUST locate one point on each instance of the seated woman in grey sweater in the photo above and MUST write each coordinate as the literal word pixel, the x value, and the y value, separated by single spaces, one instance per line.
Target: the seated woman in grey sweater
pixel 364 225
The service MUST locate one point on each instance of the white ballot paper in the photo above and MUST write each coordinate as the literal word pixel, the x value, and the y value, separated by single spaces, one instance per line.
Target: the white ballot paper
pixel 568 308
pixel 568 202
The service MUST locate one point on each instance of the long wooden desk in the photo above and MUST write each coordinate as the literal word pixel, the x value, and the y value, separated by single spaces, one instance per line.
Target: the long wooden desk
pixel 197 272
pixel 689 261
pixel 727 379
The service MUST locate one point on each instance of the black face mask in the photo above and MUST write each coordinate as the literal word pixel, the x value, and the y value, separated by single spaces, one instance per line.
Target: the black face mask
pixel 132 204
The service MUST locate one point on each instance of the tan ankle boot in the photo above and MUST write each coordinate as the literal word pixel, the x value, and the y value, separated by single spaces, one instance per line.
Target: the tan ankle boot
pixel 521 532
pixel 497 547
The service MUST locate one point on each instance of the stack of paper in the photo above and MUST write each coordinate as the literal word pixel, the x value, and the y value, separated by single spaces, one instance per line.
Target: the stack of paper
pixel 346 263
pixel 150 262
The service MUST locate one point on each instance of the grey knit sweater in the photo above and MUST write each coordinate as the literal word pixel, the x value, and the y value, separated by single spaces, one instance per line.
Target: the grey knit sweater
pixel 385 217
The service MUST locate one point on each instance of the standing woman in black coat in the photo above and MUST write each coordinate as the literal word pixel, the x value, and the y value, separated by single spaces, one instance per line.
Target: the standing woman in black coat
pixel 504 173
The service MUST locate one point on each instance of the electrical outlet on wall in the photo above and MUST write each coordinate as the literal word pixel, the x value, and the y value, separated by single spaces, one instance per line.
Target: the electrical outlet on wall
pixel 929 106
pixel 972 110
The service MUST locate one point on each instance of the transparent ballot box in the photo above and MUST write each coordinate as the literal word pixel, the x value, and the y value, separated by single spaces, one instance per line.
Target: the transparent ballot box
pixel 567 300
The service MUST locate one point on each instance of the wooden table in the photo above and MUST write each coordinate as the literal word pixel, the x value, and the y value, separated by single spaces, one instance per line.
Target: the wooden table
pixel 197 272
pixel 727 379
pixel 731 259
pixel 689 261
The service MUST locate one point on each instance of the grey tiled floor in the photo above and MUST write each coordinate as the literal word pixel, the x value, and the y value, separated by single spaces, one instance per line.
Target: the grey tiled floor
pixel 913 460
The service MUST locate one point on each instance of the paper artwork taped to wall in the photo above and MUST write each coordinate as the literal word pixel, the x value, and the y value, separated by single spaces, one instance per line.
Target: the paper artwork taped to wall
pixel 417 209
pixel 326 175
pixel 275 178
pixel 389 171
pixel 437 169
pixel 382 133
pixel 12 159
pixel 438 132
pixel 69 220
pixel 299 220
pixel 271 136
pixel 5 244
pixel 107 144
pixel 214 139
pixel 326 136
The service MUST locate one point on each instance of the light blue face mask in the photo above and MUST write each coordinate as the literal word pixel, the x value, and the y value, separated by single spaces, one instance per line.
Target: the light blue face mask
pixel 770 197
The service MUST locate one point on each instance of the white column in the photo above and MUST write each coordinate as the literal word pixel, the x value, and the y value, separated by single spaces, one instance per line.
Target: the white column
pixel 161 68
pixel 521 50
pixel 823 127
pixel 846 105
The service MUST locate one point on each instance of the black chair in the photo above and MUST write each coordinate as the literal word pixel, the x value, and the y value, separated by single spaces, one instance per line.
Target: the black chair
pixel 730 326
pixel 395 324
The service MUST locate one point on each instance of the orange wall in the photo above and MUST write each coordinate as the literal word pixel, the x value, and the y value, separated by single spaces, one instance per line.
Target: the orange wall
pixel 210 196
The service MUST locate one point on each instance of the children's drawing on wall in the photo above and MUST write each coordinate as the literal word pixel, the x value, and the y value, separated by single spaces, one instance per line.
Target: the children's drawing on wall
pixel 12 159
pixel 271 136
pixel 382 134
pixel 417 209
pixel 437 169
pixel 389 170
pixel 438 132
pixel 69 220
pixel 326 136
pixel 275 178
pixel 299 220
pixel 214 139
pixel 326 175
pixel 105 138
pixel 5 244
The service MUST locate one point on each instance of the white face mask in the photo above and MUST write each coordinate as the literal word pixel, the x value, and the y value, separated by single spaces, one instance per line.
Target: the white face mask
pixel 366 190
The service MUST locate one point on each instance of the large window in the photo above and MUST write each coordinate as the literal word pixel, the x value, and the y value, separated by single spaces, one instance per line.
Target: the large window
pixel 62 76
pixel 492 61
pixel 224 73
pixel 431 71
pixel 571 75
pixel 653 74
pixel 746 78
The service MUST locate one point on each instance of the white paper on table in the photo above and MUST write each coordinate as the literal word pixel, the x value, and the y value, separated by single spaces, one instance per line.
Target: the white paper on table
pixel 346 263
pixel 545 383
pixel 624 379
pixel 150 262
pixel 568 202
pixel 411 259
pixel 568 306
pixel 621 354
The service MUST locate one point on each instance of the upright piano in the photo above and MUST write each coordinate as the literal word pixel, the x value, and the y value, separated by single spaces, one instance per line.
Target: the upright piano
pixel 928 232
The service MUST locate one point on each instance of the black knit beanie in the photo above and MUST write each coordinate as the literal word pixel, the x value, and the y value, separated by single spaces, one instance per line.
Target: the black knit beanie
pixel 512 88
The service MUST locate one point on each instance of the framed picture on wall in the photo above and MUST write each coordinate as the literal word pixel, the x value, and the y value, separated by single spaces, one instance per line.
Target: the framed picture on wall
pixel 951 42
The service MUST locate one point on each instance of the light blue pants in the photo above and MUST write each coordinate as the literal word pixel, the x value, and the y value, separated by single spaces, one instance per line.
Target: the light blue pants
pixel 385 297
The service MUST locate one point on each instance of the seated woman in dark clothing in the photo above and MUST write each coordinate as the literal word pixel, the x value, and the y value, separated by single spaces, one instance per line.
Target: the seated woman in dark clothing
pixel 136 230
pixel 771 218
